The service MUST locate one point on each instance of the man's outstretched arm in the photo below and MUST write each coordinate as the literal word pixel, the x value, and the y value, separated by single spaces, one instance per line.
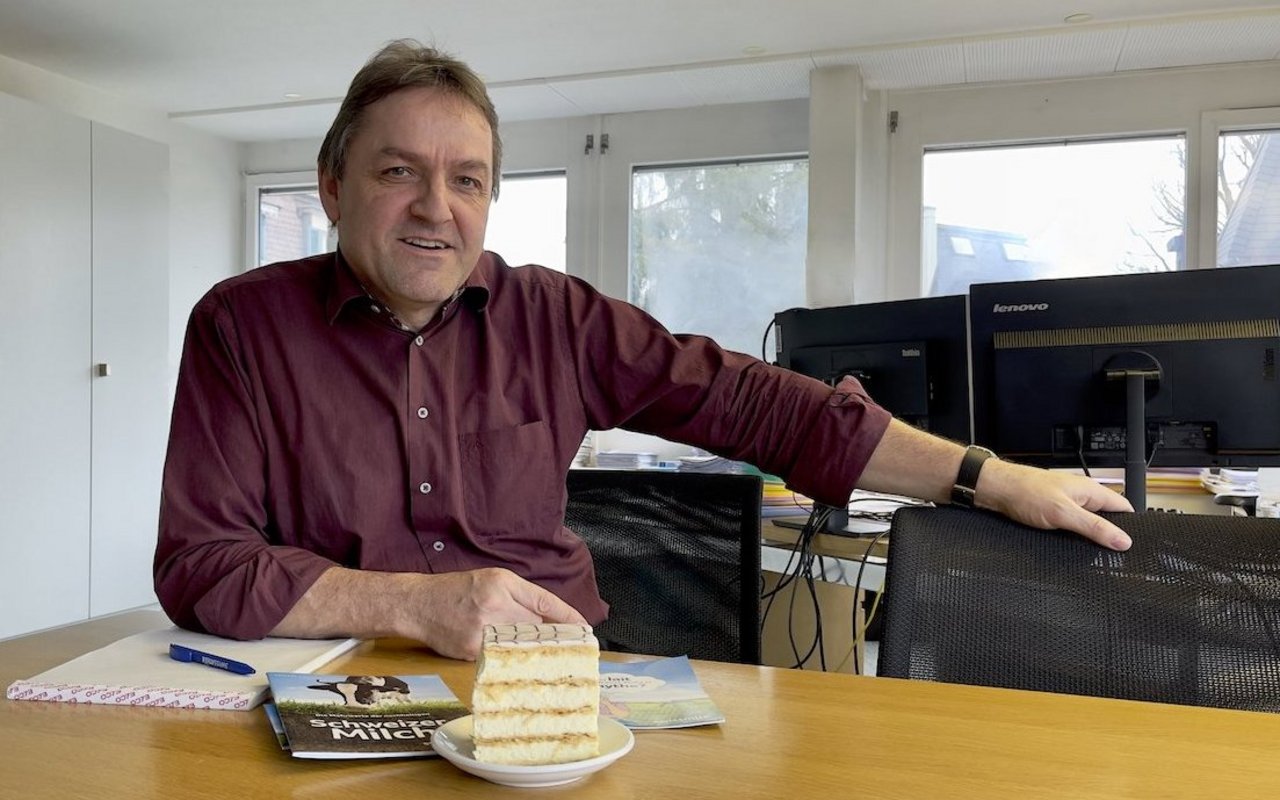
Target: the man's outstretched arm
pixel 911 462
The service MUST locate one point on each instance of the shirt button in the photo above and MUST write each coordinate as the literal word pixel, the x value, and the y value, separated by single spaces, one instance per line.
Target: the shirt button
pixel 424 487
pixel 438 546
pixel 418 341
pixel 376 309
pixel 422 413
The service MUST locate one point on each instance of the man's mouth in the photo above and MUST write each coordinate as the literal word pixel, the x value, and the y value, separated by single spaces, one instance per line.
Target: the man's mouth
pixel 426 244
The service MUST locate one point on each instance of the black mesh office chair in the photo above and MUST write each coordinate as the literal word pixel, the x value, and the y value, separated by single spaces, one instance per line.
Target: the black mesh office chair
pixel 1189 615
pixel 677 558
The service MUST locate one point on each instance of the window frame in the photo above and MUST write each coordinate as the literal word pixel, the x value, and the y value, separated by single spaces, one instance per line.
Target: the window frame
pixel 636 169
pixel 1173 102
pixel 542 172
pixel 1189 223
pixel 254 186
pixel 723 134
pixel 1212 125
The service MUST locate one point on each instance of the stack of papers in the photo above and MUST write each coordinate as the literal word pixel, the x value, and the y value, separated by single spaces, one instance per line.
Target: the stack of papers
pixel 626 459
pixel 583 456
pixel 1235 482
pixel 1175 480
pixel 779 501
pixel 714 464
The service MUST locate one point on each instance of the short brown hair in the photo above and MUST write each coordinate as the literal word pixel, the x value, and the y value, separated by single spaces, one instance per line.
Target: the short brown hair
pixel 401 64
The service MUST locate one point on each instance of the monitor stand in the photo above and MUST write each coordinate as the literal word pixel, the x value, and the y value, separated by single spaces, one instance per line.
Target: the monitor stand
pixel 1141 374
pixel 837 522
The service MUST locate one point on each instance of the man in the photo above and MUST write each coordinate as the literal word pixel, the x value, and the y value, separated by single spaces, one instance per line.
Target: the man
pixel 374 442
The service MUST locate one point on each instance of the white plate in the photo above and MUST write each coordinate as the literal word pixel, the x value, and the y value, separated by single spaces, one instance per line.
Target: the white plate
pixel 452 741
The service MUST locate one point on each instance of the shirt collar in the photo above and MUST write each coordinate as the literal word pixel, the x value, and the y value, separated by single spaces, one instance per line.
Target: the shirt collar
pixel 345 287
pixel 475 289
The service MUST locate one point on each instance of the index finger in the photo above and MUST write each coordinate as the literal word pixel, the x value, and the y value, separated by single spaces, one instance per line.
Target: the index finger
pixel 546 604
pixel 1096 529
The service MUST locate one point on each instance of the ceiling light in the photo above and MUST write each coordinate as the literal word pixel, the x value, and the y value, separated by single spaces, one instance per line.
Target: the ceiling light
pixel 1076 19
pixel 753 50
pixel 292 96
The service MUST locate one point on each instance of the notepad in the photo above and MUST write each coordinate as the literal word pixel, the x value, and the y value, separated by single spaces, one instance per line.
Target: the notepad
pixel 137 671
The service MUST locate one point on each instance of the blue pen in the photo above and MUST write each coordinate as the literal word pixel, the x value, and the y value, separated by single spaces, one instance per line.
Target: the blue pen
pixel 181 653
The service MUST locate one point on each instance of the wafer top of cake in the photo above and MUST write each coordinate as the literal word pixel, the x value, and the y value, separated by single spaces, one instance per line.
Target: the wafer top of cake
pixel 535 634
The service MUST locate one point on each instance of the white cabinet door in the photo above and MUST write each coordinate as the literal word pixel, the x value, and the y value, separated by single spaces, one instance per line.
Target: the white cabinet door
pixel 130 335
pixel 44 367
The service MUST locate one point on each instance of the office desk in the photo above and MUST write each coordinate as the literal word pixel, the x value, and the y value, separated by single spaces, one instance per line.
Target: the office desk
pixel 789 734
pixel 840 606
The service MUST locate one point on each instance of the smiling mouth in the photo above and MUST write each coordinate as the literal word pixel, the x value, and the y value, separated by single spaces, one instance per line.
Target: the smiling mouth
pixel 427 244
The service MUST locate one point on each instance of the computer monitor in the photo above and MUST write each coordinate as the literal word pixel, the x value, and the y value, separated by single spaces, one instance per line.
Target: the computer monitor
pixel 910 355
pixel 1065 370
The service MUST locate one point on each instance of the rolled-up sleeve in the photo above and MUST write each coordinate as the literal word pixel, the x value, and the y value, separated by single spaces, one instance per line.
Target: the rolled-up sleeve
pixel 216 568
pixel 842 433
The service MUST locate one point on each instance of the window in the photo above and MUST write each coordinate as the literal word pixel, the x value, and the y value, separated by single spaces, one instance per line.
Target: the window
pixel 1063 210
pixel 1248 191
pixel 717 249
pixel 527 221
pixel 1016 251
pixel 291 224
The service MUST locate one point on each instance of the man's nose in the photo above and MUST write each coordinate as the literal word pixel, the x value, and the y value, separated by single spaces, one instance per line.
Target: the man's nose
pixel 431 202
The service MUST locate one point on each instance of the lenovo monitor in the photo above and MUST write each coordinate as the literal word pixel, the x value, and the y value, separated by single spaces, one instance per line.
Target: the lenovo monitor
pixel 1152 369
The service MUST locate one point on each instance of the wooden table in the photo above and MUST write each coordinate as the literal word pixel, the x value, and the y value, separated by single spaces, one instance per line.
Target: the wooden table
pixel 789 734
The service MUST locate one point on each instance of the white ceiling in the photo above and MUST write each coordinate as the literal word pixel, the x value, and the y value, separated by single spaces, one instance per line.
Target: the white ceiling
pixel 226 66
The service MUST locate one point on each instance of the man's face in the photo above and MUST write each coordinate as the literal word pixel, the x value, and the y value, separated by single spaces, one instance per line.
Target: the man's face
pixel 412 205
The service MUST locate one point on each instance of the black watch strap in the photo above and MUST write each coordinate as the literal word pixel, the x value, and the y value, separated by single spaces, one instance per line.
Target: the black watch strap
pixel 966 486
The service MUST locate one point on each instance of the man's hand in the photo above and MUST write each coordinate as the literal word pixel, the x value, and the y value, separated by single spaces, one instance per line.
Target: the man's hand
pixel 911 462
pixel 1044 499
pixel 452 608
pixel 447 612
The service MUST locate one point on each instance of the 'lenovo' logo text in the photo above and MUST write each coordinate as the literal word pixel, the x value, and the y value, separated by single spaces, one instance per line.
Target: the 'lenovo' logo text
pixel 1001 308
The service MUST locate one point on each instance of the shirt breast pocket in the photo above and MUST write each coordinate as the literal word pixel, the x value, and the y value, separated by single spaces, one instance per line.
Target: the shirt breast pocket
pixel 511 484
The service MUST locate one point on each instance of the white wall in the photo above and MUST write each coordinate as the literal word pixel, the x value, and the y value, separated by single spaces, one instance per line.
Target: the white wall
pixel 205 219
pixel 289 155
pixel 848 142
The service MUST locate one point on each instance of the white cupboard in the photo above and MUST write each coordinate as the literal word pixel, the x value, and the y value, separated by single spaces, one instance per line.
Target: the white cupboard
pixel 83 280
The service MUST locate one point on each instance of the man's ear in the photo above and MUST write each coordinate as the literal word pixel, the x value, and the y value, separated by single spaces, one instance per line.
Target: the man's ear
pixel 329 188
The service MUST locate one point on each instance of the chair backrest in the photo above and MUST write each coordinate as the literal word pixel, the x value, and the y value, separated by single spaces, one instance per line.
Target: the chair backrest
pixel 1189 615
pixel 677 558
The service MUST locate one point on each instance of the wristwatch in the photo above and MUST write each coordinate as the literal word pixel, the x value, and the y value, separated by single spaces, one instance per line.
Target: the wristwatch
pixel 966 486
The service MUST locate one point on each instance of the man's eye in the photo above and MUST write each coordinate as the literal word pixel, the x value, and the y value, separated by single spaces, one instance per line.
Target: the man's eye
pixel 396 172
pixel 469 182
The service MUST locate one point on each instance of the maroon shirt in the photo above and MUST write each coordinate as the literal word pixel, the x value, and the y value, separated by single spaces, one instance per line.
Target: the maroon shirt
pixel 310 430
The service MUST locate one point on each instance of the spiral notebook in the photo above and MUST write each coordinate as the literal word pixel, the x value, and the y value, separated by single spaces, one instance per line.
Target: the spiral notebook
pixel 137 671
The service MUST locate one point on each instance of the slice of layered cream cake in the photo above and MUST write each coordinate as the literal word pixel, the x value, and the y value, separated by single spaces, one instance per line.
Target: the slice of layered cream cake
pixel 537 694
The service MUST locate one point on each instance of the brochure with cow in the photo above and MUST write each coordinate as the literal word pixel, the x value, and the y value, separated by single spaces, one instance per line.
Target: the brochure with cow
pixel 664 693
pixel 360 716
